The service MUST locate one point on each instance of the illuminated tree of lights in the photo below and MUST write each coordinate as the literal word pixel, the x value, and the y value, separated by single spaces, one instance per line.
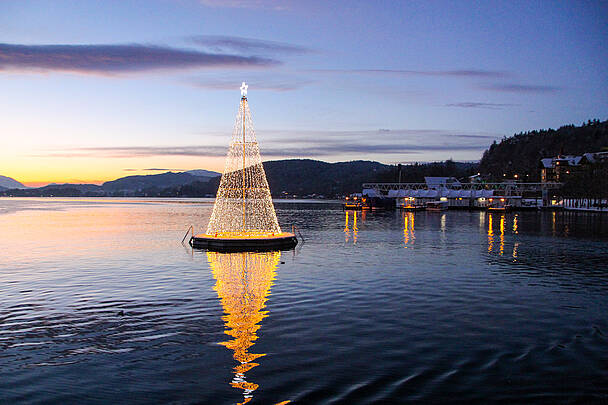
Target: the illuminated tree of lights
pixel 243 282
pixel 243 205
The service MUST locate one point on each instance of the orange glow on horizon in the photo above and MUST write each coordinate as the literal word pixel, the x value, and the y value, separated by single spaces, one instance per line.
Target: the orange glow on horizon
pixel 37 171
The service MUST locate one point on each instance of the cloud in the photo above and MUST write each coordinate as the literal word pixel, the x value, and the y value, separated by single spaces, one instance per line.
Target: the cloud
pixel 138 151
pixel 154 169
pixel 326 149
pixel 247 45
pixel 520 88
pixel 115 59
pixel 490 106
pixel 421 136
pixel 475 136
pixel 296 144
pixel 467 73
pixel 269 84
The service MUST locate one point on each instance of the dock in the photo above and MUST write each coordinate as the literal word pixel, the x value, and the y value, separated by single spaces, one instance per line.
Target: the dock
pixel 480 196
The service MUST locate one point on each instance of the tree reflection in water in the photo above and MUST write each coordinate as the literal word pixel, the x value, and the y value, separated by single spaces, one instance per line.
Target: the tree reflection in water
pixel 243 282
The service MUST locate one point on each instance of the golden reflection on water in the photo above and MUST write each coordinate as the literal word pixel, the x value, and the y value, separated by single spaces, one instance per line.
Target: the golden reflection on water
pixel 498 238
pixel 409 235
pixel 490 234
pixel 243 282
pixel 502 234
pixel 355 227
pixel 54 231
pixel 346 229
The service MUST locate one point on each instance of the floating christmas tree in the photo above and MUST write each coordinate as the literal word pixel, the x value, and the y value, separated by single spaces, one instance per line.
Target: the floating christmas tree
pixel 243 214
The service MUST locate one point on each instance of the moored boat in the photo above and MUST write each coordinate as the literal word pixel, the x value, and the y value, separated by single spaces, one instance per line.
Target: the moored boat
pixel 354 202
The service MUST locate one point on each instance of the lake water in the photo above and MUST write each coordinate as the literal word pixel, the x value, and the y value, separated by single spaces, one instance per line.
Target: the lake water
pixel 101 303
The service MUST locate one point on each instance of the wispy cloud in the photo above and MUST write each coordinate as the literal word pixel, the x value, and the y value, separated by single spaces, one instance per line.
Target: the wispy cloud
pixel 268 83
pixel 138 151
pixel 153 169
pixel 490 106
pixel 115 59
pixel 327 149
pixel 246 45
pixel 520 88
pixel 475 136
pixel 466 73
pixel 293 144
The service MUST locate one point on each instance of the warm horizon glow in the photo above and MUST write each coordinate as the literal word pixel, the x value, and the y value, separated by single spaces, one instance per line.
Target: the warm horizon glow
pixel 42 171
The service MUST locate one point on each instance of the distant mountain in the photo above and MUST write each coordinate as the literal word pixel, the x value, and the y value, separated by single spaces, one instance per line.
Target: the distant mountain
pixel 203 173
pixel 8 183
pixel 58 190
pixel 521 153
pixel 82 187
pixel 306 176
pixel 292 177
pixel 140 183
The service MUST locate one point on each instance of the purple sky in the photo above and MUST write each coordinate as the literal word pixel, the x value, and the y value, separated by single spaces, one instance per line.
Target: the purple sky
pixel 99 87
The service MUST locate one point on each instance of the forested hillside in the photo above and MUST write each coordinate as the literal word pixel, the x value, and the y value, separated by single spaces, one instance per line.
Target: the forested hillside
pixel 304 176
pixel 521 153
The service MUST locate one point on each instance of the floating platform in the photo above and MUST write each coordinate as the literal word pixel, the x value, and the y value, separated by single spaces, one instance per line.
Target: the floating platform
pixel 412 207
pixel 352 207
pixel 244 242
pixel 503 208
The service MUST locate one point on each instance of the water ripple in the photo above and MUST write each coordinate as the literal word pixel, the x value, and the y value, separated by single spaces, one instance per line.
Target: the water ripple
pixel 456 309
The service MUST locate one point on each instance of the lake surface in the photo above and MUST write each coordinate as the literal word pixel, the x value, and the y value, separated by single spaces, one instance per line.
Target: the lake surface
pixel 101 303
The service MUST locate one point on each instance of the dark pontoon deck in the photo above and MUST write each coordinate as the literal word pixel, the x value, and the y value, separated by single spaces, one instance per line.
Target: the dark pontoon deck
pixel 236 243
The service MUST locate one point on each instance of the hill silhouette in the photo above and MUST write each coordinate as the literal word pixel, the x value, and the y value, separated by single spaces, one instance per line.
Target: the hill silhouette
pixel 521 153
pixel 286 178
pixel 9 182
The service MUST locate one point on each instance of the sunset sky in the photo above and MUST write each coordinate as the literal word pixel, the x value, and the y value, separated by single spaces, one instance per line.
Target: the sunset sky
pixel 96 90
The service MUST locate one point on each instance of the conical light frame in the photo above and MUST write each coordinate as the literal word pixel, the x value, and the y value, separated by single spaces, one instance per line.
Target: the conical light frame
pixel 243 205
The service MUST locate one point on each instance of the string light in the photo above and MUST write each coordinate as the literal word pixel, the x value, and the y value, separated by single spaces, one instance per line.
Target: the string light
pixel 243 205
pixel 243 282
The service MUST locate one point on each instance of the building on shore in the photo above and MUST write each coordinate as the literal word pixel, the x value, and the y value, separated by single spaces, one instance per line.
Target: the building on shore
pixel 559 168
pixel 550 193
pixel 477 195
pixel 581 176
